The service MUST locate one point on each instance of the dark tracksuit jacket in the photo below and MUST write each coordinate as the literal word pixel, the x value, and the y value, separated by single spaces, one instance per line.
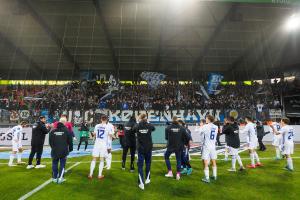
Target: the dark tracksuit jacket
pixel 39 132
pixel 189 137
pixel 143 132
pixel 144 145
pixel 260 135
pixel 176 137
pixel 130 138
pixel 232 135
pixel 61 142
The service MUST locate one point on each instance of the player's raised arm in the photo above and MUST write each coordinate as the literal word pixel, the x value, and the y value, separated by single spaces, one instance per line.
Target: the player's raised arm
pixel 275 130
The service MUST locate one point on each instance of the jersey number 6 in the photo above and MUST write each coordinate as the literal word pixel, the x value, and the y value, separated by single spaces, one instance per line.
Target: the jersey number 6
pixel 212 134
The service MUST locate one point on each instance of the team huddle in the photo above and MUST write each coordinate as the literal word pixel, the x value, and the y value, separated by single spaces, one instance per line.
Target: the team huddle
pixel 137 136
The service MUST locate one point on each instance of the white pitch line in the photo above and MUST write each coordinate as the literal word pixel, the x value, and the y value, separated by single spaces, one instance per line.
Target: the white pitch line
pixel 161 160
pixel 43 185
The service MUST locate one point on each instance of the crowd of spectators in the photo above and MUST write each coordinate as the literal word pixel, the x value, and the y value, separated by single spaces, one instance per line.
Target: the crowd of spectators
pixel 170 96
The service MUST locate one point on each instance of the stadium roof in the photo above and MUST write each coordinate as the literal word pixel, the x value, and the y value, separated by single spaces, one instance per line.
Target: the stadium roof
pixel 57 39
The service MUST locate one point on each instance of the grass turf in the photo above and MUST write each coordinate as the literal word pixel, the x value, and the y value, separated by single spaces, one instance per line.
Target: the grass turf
pixel 268 182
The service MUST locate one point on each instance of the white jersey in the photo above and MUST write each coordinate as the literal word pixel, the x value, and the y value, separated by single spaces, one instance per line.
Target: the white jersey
pixel 287 134
pixel 111 130
pixel 250 130
pixel 209 135
pixel 198 130
pixel 17 134
pixel 102 132
pixel 276 125
pixel 276 138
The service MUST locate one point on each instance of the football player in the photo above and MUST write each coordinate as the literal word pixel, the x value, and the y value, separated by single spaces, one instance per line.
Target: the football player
pixel 209 133
pixel 101 133
pixel 287 142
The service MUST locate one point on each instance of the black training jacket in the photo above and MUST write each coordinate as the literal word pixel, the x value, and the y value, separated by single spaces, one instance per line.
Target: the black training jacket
pixel 260 131
pixel 231 132
pixel 130 139
pixel 176 137
pixel 189 136
pixel 143 132
pixel 61 142
pixel 39 132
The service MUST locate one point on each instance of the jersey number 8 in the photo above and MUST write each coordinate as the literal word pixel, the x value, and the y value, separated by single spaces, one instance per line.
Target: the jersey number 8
pixel 100 133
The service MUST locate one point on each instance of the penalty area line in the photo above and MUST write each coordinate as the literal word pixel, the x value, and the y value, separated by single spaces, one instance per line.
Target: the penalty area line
pixel 29 194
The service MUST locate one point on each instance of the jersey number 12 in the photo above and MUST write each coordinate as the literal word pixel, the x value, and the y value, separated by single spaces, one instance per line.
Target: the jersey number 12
pixel 100 133
pixel 291 134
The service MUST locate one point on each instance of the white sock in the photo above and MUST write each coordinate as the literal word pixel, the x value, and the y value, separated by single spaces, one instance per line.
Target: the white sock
pixel 62 173
pixel 148 176
pixel 252 158
pixel 206 173
pixel 93 164
pixel 101 165
pixel 239 160
pixel 11 159
pixel 233 161
pixel 214 171
pixel 19 156
pixel 277 152
pixel 108 160
pixel 290 163
pixel 256 157
pixel 226 155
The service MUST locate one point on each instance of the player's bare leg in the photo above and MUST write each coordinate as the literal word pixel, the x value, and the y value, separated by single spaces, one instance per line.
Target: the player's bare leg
pixel 11 158
pixel 206 171
pixel 108 159
pixel 101 166
pixel 252 158
pixel 92 167
pixel 278 154
pixel 19 156
pixel 214 169
pixel 289 165
pixel 258 163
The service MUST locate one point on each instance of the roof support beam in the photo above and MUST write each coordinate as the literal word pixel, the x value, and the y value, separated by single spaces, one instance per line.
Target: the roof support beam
pixel 33 65
pixel 213 37
pixel 50 33
pixel 107 36
pixel 253 48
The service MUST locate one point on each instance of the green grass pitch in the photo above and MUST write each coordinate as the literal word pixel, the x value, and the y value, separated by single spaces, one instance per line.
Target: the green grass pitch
pixel 268 182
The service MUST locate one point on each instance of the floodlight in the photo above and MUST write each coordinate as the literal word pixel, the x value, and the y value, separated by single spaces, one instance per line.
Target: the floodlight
pixel 293 23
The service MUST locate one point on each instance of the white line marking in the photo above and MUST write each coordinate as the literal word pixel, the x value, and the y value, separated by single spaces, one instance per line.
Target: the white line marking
pixel 161 160
pixel 43 185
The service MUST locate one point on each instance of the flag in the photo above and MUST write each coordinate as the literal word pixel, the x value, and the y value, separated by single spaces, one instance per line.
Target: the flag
pixel 107 96
pixel 203 91
pixel 214 80
pixel 178 95
pixel 153 78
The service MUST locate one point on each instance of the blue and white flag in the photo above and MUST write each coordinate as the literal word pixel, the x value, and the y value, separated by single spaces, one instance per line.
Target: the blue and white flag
pixel 202 92
pixel 153 78
pixel 214 80
pixel 179 97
